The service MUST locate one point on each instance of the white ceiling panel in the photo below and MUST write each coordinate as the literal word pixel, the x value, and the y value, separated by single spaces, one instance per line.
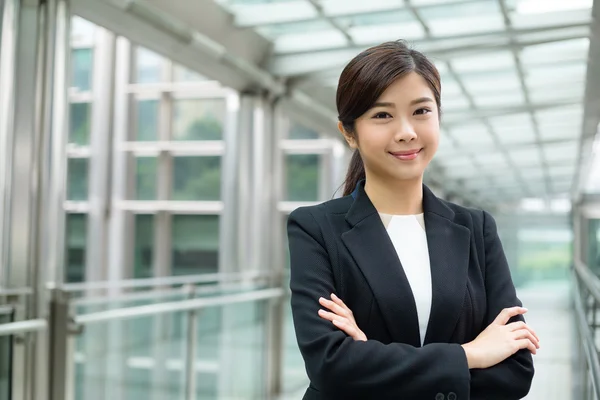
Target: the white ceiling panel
pixel 484 62
pixel 500 82
pixel 366 35
pixel 560 152
pixel 525 156
pixel 503 99
pixel 471 135
pixel 309 41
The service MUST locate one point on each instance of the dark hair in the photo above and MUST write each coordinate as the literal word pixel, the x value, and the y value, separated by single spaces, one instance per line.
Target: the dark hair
pixel 365 79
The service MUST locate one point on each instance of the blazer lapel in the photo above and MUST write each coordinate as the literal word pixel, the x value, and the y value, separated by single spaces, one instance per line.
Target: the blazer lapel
pixel 373 251
pixel 449 248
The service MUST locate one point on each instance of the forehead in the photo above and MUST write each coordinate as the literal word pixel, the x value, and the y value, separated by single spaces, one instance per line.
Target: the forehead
pixel 407 89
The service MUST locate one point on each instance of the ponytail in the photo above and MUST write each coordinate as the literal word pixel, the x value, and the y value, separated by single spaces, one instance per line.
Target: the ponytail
pixel 356 173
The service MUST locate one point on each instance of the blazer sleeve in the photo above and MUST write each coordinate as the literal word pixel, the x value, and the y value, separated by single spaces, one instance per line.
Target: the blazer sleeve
pixel 510 379
pixel 343 368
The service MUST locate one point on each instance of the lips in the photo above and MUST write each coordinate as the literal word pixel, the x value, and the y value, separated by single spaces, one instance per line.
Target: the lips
pixel 406 155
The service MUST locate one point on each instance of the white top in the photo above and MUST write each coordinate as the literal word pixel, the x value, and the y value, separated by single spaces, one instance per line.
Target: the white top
pixel 407 233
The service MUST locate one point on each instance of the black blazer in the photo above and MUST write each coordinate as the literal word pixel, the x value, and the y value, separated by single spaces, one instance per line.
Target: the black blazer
pixel 342 247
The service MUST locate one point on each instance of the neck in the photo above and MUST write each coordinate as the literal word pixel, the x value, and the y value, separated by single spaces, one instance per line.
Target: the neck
pixel 397 198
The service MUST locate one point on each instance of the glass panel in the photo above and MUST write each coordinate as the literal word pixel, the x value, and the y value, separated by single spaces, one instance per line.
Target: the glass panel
pixel 5 352
pixel 593 253
pixel 275 30
pixel 195 240
pixel 81 74
pixel 79 129
pixel 135 359
pixel 149 66
pixel 298 131
pixel 182 74
pixel 144 246
pixel 385 17
pixel 294 373
pixel 140 358
pixel 146 178
pixel 302 177
pixel 76 243
pixel 147 120
pixel 198 119
pixel 197 178
pixel 77 185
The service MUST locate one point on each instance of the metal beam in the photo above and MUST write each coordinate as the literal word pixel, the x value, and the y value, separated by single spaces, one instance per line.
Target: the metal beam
pixel 447 48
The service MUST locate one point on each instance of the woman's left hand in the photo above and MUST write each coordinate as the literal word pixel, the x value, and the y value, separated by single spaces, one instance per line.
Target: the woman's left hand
pixel 341 316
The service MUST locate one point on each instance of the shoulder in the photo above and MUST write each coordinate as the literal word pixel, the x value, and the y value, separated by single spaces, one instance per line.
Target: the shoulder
pixel 319 212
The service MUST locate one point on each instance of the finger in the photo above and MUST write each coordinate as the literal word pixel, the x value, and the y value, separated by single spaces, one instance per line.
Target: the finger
pixel 340 303
pixel 513 326
pixel 508 313
pixel 333 307
pixel 526 344
pixel 525 334
pixel 348 328
pixel 329 316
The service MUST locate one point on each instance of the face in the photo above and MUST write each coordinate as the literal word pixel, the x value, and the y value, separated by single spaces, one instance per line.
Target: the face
pixel 399 135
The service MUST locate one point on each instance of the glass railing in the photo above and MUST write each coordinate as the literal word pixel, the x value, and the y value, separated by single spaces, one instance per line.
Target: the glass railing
pixel 586 304
pixel 204 343
pixel 5 354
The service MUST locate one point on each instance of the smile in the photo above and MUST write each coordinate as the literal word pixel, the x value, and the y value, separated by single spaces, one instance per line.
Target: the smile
pixel 406 155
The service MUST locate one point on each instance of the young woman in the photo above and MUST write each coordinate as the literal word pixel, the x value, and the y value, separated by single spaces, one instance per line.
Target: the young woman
pixel 397 294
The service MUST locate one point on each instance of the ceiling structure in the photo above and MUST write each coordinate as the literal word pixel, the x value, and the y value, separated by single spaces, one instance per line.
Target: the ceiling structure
pixel 520 78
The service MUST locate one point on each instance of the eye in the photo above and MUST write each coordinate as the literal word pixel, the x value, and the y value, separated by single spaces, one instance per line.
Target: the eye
pixel 382 115
pixel 422 111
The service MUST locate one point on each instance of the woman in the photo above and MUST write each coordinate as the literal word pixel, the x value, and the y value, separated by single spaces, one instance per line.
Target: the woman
pixel 397 294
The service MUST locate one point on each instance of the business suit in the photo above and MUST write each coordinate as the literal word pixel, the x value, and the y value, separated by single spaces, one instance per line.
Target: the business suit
pixel 342 247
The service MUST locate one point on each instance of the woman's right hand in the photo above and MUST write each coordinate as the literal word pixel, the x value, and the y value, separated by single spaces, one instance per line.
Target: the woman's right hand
pixel 501 340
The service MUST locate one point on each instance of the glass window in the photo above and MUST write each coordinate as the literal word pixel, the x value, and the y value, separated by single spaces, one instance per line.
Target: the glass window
pixel 144 246
pixel 80 123
pixel 147 120
pixel 76 243
pixel 149 66
pixel 593 237
pixel 298 131
pixel 81 74
pixel 302 177
pixel 77 183
pixel 197 178
pixel 198 119
pixel 146 178
pixel 182 74
pixel 195 240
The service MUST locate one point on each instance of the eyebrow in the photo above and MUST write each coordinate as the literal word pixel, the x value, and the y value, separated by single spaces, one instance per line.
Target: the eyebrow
pixel 412 103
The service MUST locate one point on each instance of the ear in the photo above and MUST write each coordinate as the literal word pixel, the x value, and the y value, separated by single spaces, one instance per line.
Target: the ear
pixel 349 138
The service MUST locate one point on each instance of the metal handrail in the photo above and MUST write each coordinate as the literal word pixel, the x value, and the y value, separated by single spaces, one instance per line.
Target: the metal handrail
pixel 15 291
pixel 176 306
pixel 584 276
pixel 32 325
pixel 154 295
pixel 157 282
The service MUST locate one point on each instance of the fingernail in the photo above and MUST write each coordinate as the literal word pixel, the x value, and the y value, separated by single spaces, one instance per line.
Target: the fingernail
pixel 333 296
pixel 321 299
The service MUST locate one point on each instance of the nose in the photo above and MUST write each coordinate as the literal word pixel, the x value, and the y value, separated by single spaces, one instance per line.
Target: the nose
pixel 405 132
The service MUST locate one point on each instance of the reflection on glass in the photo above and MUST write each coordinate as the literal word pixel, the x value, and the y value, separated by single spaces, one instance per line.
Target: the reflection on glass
pixel 198 119
pixel 77 184
pixel 147 120
pixel 149 66
pixel 79 129
pixel 76 243
pixel 302 177
pixel 146 178
pixel 182 74
pixel 81 77
pixel 197 178
pixel 294 374
pixel 144 246
pixel 195 241
pixel 298 131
